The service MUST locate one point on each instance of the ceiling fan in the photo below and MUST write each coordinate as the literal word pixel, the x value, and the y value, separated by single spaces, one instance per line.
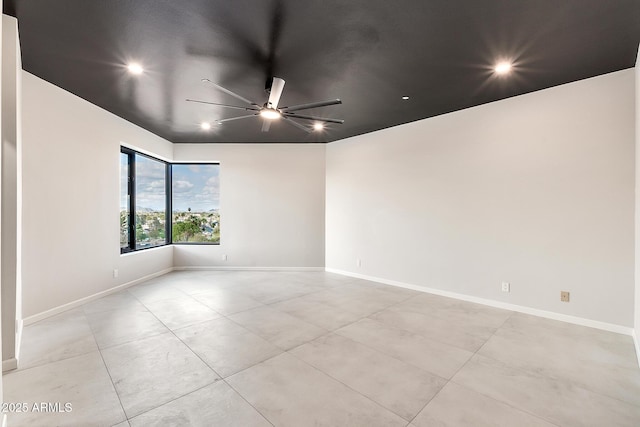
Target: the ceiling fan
pixel 269 111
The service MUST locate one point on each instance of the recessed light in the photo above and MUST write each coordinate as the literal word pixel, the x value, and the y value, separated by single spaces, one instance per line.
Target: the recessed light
pixel 135 68
pixel 205 126
pixel 270 113
pixel 502 67
pixel 318 126
pixel 405 98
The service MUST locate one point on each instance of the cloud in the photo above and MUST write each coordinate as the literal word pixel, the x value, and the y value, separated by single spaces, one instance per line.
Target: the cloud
pixel 203 197
pixel 147 168
pixel 182 186
pixel 212 186
pixel 148 186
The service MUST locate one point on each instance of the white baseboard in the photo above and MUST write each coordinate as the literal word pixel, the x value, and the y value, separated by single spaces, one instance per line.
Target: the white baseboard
pixel 498 304
pixel 223 268
pixel 73 304
pixel 9 364
pixel 637 344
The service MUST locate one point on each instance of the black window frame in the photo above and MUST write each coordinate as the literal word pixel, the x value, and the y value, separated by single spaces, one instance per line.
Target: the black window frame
pixel 131 190
pixel 125 249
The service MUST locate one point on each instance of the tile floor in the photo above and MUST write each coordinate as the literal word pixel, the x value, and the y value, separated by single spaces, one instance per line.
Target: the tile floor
pixel 316 349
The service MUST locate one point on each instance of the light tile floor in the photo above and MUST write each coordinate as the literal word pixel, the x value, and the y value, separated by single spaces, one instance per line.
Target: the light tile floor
pixel 316 349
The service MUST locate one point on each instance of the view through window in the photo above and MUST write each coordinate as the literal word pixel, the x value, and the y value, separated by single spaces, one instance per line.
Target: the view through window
pixel 150 201
pixel 124 201
pixel 195 203
pixel 150 188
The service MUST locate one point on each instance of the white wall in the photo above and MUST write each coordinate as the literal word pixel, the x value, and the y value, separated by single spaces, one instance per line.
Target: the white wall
pixel 271 205
pixel 11 197
pixel 4 416
pixel 536 190
pixel 637 223
pixel 71 198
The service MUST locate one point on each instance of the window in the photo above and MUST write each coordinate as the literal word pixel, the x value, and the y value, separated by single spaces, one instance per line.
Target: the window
pixel 151 188
pixel 124 201
pixel 143 201
pixel 150 202
pixel 195 203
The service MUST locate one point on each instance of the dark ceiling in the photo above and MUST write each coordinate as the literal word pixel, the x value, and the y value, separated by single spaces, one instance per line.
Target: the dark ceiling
pixel 369 53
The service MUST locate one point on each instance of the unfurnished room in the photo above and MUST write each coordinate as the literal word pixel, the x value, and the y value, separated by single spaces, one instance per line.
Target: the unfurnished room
pixel 285 213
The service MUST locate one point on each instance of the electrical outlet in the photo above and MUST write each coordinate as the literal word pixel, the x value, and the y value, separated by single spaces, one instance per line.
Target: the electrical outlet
pixel 506 287
pixel 115 273
pixel 224 257
pixel 564 296
pixel 358 262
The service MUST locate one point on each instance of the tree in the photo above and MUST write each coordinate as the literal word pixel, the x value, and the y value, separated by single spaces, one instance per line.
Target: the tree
pixel 140 234
pixel 124 228
pixel 184 230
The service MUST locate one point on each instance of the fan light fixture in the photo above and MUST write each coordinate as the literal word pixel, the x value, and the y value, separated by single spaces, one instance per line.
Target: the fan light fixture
pixel 270 110
pixel 271 114
pixel 205 126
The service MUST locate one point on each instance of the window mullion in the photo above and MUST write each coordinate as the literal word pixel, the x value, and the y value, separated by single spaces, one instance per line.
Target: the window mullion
pixel 132 201
pixel 168 216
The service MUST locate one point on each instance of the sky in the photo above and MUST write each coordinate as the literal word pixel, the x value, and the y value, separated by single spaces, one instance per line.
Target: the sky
pixel 195 186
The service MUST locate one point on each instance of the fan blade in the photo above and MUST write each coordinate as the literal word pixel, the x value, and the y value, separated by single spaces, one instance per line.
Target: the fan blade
pixel 298 125
pixel 228 92
pixel 275 33
pixel 320 119
pixel 224 105
pixel 235 118
pixel 266 124
pixel 311 105
pixel 276 92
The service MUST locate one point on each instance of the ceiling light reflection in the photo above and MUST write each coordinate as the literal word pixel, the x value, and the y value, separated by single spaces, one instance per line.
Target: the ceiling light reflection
pixel 135 68
pixel 502 68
